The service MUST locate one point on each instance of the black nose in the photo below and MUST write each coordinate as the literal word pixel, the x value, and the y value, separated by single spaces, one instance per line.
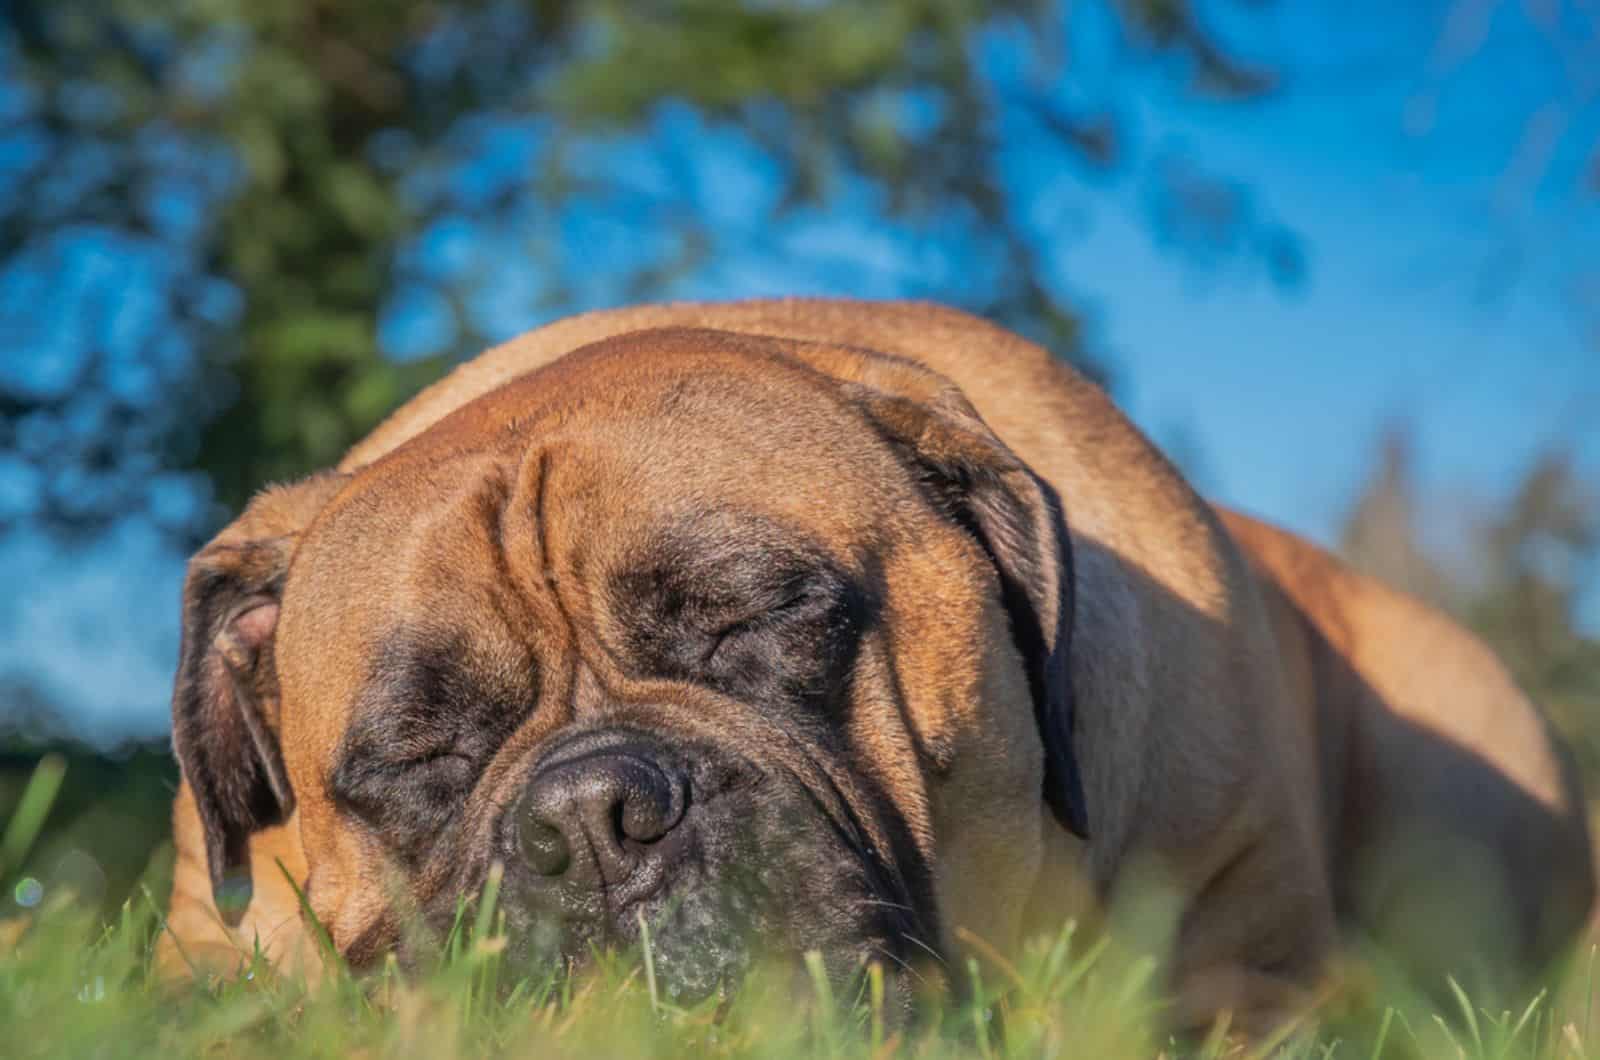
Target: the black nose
pixel 595 817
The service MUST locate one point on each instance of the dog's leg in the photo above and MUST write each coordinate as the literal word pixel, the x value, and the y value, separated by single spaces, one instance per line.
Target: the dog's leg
pixel 1258 938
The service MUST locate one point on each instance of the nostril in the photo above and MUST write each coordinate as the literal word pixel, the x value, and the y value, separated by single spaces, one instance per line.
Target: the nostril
pixel 544 847
pixel 649 811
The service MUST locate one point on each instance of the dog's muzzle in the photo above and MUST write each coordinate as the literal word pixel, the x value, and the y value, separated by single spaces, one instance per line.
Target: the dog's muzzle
pixel 723 861
pixel 617 829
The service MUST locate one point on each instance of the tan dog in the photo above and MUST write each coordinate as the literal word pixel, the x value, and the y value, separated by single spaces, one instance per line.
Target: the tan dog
pixel 850 625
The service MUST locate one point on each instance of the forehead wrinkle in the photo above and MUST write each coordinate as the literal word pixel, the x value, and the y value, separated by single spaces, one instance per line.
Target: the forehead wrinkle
pixel 548 563
pixel 623 373
pixel 654 487
pixel 376 511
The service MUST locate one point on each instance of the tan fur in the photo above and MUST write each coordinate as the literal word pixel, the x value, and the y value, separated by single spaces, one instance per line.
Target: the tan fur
pixel 1229 678
pixel 198 942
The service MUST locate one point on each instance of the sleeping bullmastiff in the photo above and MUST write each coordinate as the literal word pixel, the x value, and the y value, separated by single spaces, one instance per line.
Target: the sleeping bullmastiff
pixel 867 628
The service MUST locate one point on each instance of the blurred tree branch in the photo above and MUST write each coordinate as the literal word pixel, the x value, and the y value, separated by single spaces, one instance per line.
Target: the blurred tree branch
pixel 260 177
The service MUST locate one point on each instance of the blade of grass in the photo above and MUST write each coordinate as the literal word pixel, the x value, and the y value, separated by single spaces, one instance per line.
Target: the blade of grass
pixel 1139 976
pixel 649 962
pixel 485 952
pixel 455 940
pixel 487 902
pixel 1056 957
pixel 1217 1037
pixel 1588 1002
pixel 875 1000
pixel 1383 1033
pixel 1082 966
pixel 195 971
pixel 994 957
pixel 319 932
pixel 1467 1012
pixel 980 1010
pixel 1527 1014
pixel 819 977
pixel 1449 1035
pixel 1269 1045
pixel 823 1017
pixel 32 809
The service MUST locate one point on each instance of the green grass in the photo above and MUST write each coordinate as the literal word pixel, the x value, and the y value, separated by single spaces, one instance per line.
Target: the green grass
pixel 73 986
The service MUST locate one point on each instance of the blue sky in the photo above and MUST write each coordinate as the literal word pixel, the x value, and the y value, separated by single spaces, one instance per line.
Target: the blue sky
pixel 1440 290
pixel 1410 311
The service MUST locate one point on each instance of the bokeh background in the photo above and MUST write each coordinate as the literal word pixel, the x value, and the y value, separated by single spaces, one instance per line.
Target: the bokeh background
pixel 1340 257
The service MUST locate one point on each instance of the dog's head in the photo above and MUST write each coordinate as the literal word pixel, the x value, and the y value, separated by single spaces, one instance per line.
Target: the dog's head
pixel 760 643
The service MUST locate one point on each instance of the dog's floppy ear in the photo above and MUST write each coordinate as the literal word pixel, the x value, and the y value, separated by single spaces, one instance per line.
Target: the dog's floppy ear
pixel 1014 515
pixel 225 697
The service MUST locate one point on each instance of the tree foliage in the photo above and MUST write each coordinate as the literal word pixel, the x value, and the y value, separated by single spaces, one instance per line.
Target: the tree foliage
pixel 207 207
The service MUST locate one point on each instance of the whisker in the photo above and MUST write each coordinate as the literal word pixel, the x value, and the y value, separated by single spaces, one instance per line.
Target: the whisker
pixel 880 951
pixel 930 950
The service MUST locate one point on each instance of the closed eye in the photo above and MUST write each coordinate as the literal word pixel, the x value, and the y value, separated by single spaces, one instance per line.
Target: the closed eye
pixel 795 599
pixel 448 759
pixel 361 777
pixel 766 626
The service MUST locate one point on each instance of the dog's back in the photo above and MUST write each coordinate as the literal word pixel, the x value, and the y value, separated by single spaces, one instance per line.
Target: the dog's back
pixel 1451 810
